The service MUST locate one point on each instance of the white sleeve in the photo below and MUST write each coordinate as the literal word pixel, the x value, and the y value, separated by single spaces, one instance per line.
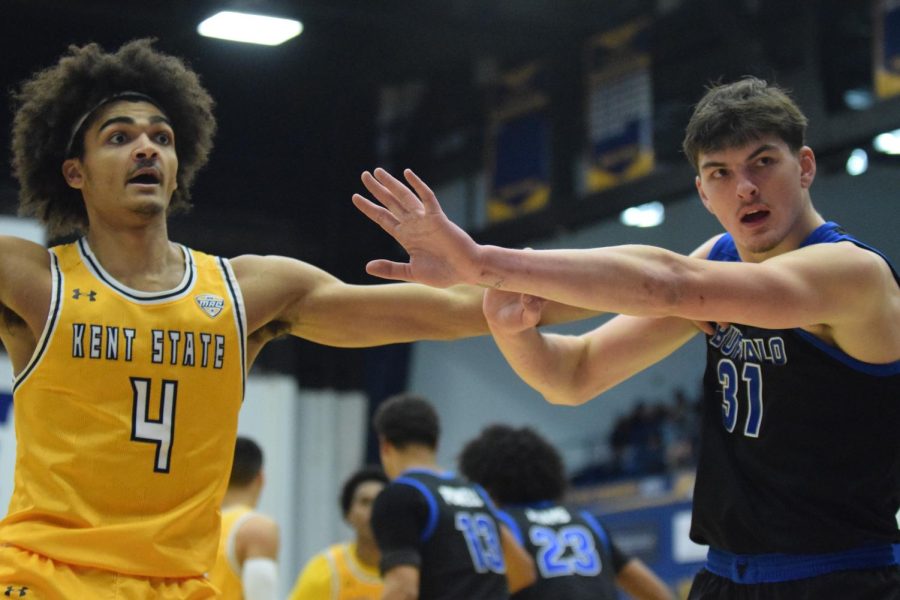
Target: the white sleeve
pixel 260 579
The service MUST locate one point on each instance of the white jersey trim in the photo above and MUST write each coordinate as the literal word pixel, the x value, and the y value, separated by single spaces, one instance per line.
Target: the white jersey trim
pixel 240 316
pixel 139 296
pixel 56 288
pixel 230 555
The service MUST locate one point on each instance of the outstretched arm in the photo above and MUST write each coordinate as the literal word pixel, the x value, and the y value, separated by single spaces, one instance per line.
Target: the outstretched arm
pixel 572 369
pixel 287 296
pixel 846 289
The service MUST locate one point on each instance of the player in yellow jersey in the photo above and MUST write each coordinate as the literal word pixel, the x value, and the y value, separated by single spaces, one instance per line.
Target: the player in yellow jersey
pixel 349 570
pixel 247 561
pixel 130 351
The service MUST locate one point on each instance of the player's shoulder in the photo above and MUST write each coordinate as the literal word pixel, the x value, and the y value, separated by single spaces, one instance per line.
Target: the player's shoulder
pixel 403 495
pixel 705 250
pixel 259 531
pixel 23 254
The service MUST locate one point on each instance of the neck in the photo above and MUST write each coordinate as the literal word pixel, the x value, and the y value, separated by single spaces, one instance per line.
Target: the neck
pixel 141 258
pixel 367 552
pixel 239 497
pixel 416 457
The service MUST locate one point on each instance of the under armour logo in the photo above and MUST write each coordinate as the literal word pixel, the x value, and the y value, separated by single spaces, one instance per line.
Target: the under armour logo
pixel 77 293
pixel 15 592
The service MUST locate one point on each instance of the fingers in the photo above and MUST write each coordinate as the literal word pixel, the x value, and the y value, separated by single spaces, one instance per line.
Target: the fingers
pixel 424 192
pixel 532 310
pixel 380 215
pixel 396 196
pixel 388 269
pixel 533 302
pixel 383 194
pixel 402 195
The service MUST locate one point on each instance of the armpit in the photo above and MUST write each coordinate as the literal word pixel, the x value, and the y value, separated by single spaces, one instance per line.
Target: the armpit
pixel 270 331
pixel 10 320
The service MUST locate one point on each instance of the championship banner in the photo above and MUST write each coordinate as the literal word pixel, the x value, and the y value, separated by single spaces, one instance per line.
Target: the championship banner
pixel 619 106
pixel 518 142
pixel 887 48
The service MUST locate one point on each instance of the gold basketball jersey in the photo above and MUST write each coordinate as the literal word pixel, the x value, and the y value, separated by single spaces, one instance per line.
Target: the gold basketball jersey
pixel 225 575
pixel 126 418
pixel 355 581
pixel 336 574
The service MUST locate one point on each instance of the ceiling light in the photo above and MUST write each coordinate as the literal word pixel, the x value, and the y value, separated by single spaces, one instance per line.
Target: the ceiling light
pixel 858 163
pixel 858 99
pixel 888 142
pixel 249 28
pixel 645 215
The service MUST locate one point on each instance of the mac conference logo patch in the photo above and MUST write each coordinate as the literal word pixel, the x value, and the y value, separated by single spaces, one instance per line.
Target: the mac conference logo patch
pixel 210 304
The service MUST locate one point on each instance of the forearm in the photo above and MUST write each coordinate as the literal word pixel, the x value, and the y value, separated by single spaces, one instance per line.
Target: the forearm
pixel 571 370
pixel 520 568
pixel 547 362
pixel 371 315
pixel 401 583
pixel 637 280
pixel 395 593
pixel 641 583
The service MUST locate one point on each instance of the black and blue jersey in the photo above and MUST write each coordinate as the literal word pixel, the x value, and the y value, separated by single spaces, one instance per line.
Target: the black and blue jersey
pixel 447 528
pixel 800 450
pixel 574 555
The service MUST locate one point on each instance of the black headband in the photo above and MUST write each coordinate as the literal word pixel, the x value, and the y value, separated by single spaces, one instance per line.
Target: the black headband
pixel 127 95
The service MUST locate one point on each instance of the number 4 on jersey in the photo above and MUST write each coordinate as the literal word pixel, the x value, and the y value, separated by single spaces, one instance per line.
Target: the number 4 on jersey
pixel 154 431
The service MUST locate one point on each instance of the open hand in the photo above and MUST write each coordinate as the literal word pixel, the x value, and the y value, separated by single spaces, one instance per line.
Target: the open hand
pixel 441 254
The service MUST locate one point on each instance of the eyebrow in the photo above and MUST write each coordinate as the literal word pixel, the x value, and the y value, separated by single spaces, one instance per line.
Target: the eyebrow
pixel 130 121
pixel 716 164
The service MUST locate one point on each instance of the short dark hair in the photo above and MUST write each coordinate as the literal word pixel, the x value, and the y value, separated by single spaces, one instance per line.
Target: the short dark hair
pixel 248 461
pixel 407 419
pixel 364 475
pixel 735 114
pixel 52 103
pixel 515 466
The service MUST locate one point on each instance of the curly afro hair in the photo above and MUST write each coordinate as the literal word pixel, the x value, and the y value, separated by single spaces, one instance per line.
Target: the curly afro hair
pixel 50 104
pixel 515 466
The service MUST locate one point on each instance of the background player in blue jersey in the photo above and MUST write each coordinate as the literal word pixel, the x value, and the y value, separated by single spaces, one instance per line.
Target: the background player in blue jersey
pixel 438 534
pixel 576 557
pixel 798 483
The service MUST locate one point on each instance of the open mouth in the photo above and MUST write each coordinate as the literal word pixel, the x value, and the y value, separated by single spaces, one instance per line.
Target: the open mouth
pixel 145 179
pixel 755 216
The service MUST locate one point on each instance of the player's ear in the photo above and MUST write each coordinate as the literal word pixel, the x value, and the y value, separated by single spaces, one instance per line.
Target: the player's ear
pixel 73 173
pixel 807 166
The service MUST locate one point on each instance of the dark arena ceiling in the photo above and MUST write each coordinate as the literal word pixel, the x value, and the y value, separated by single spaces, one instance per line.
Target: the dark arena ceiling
pixel 298 122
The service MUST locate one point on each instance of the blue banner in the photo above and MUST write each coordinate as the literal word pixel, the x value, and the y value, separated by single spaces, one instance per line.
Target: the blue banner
pixel 519 144
pixel 887 48
pixel 620 106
